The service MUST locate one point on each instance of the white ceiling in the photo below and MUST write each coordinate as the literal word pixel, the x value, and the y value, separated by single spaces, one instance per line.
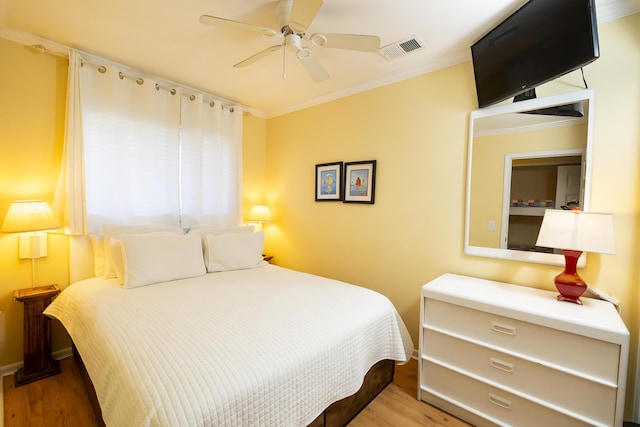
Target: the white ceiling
pixel 164 38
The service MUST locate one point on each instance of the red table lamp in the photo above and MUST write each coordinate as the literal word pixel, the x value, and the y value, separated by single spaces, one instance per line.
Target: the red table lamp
pixel 575 232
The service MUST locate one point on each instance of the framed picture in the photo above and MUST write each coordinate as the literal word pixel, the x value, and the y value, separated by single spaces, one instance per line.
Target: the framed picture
pixel 360 182
pixel 329 186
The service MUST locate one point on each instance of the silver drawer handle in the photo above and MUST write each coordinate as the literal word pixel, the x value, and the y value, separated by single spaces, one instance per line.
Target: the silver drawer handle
pixel 503 366
pixel 500 401
pixel 503 329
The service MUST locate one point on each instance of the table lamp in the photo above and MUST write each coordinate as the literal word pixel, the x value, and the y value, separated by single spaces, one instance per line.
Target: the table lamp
pixel 575 232
pixel 30 218
pixel 258 215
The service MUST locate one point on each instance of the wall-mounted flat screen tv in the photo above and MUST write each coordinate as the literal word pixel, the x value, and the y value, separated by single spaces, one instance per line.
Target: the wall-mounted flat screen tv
pixel 542 40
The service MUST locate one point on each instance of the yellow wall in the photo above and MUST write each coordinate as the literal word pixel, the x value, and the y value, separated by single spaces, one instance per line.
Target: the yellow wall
pixel 253 165
pixel 417 131
pixel 32 100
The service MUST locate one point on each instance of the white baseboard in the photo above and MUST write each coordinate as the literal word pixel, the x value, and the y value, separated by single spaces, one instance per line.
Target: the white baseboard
pixel 11 368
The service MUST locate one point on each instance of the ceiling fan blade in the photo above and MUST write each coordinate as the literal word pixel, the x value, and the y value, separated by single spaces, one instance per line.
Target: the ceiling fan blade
pixel 314 68
pixel 359 42
pixel 237 25
pixel 250 60
pixel 302 14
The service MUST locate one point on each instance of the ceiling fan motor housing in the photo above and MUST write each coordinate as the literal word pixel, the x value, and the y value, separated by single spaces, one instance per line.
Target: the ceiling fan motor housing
pixel 293 42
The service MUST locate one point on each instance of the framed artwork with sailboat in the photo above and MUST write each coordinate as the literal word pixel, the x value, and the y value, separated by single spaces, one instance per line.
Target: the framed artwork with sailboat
pixel 360 182
pixel 329 187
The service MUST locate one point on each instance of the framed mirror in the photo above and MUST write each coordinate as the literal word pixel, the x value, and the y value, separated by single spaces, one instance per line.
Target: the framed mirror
pixel 523 158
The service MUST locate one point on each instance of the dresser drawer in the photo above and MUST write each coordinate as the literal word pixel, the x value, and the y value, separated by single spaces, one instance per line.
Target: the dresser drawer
pixel 591 399
pixel 494 404
pixel 568 351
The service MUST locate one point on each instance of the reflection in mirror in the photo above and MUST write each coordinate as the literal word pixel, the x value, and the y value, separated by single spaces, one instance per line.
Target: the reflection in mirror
pixel 521 164
pixel 535 182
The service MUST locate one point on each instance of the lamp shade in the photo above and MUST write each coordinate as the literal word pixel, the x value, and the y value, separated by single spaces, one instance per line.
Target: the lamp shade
pixel 29 215
pixel 260 213
pixel 578 231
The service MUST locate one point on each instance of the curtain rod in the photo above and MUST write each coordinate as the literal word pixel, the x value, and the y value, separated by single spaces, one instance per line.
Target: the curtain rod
pixel 43 45
pixel 139 78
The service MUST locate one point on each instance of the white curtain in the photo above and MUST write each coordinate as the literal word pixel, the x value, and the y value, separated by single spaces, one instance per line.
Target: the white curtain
pixel 131 131
pixel 211 136
pixel 69 198
pixel 137 152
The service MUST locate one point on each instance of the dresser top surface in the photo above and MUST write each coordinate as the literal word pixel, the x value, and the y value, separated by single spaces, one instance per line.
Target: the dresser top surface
pixel 594 317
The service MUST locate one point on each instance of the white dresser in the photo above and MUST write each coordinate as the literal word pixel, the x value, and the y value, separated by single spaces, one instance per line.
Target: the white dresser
pixel 499 354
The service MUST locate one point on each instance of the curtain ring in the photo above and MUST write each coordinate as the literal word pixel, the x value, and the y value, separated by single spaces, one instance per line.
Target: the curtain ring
pixel 121 75
pixel 102 69
pixel 173 91
pixel 212 104
pixel 192 97
pixel 157 86
pixel 140 80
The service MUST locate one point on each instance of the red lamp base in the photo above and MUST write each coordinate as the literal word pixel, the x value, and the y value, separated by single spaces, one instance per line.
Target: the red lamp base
pixel 569 283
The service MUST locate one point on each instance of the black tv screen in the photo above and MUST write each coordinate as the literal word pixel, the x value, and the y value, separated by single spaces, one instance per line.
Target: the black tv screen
pixel 539 42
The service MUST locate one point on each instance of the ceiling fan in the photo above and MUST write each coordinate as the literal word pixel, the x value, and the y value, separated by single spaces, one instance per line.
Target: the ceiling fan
pixel 294 18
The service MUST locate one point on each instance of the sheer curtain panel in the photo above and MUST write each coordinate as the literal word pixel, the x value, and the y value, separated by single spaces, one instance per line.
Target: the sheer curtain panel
pixel 211 140
pixel 131 132
pixel 69 198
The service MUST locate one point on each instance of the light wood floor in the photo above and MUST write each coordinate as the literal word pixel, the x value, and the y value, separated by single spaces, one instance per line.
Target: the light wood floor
pixel 61 401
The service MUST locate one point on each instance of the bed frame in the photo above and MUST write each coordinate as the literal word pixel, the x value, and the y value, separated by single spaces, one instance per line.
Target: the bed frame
pixel 338 414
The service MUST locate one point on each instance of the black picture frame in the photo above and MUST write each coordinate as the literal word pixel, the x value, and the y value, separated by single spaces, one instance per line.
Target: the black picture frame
pixel 360 182
pixel 329 182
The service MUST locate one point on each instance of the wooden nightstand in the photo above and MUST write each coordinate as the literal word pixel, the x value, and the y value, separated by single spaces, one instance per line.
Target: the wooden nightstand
pixel 38 362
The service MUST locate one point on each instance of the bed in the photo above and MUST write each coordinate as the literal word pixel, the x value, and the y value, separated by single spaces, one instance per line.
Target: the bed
pixel 258 346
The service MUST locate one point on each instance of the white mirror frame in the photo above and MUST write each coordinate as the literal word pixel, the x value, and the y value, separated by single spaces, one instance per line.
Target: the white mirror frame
pixel 517 107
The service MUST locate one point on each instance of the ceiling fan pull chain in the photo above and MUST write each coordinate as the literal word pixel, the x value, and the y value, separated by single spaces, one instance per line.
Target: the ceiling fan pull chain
pixel 284 61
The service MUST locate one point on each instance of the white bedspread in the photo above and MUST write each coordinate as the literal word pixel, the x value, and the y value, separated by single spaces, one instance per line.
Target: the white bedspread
pixel 260 347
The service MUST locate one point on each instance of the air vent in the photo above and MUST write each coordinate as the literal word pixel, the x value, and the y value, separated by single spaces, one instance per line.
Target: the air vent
pixel 402 48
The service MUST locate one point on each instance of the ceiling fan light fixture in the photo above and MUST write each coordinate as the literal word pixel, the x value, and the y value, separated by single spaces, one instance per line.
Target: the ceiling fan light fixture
pixel 270 32
pixel 318 39
pixel 303 53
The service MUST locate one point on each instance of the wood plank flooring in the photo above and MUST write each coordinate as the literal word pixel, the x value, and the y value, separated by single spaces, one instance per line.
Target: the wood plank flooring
pixel 61 401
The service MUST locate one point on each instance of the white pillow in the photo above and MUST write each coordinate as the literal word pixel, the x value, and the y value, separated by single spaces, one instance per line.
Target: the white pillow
pixel 117 256
pixel 204 232
pixel 112 233
pixel 235 251
pixel 154 258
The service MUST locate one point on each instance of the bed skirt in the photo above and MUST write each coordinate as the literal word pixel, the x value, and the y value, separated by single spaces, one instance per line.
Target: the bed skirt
pixel 338 414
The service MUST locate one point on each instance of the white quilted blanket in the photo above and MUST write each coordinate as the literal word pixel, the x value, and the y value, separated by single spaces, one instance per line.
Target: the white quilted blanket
pixel 261 347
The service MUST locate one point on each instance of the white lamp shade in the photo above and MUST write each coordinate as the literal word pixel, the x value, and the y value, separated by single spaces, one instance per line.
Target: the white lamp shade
pixel 577 230
pixel 29 215
pixel 260 213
